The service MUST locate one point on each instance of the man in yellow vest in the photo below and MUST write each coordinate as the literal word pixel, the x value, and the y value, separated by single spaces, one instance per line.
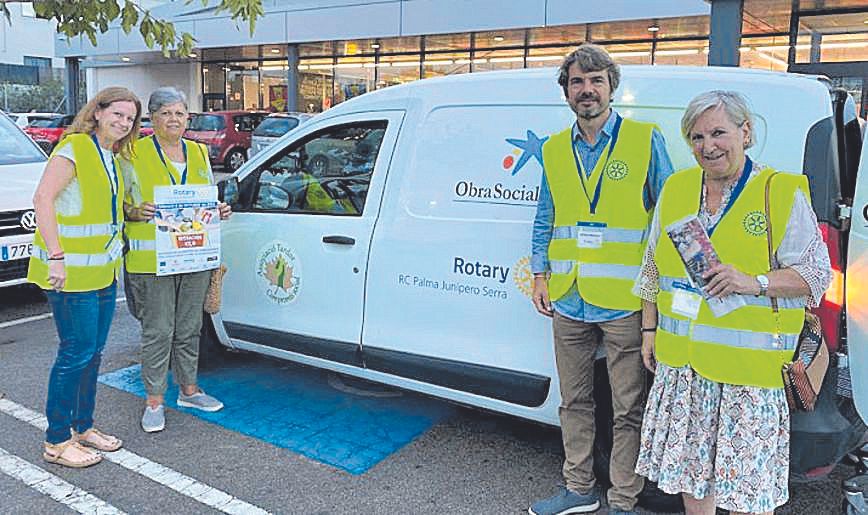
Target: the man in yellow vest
pixel 602 177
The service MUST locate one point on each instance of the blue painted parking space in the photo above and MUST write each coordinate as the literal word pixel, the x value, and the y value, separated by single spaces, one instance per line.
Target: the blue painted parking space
pixel 307 411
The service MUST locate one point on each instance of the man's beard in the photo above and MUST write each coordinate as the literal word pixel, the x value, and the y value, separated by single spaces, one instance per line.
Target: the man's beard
pixel 588 114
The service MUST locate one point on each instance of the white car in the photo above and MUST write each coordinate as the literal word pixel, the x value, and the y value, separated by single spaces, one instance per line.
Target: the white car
pixel 21 166
pixel 24 119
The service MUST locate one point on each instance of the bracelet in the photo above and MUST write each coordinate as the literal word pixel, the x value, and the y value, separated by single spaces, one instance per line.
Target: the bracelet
pixel 649 329
pixel 58 258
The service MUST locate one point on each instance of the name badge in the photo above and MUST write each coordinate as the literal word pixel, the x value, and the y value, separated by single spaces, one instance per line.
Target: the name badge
pixel 590 235
pixel 686 300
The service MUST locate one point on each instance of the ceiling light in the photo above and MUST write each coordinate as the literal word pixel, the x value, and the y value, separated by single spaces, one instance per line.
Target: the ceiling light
pixel 654 28
pixel 498 38
pixel 205 70
pixel 686 51
pixel 125 59
pixel 192 54
pixel 375 45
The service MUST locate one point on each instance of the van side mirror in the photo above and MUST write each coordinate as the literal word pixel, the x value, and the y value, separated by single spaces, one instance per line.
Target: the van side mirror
pixel 227 190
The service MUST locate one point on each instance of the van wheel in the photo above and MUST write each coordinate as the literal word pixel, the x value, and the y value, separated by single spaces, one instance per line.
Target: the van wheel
pixel 235 159
pixel 651 497
pixel 211 351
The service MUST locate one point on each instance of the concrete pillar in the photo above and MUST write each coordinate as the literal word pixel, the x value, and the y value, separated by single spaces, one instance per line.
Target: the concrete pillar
pixel 725 37
pixel 292 78
pixel 71 84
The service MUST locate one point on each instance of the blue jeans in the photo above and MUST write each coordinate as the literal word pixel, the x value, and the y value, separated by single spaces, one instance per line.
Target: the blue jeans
pixel 83 320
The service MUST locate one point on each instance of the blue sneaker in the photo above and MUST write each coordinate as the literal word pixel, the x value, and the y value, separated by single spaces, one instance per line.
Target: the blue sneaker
pixel 616 511
pixel 565 502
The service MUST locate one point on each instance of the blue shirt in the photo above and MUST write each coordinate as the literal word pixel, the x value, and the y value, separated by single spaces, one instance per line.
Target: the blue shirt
pixel 572 305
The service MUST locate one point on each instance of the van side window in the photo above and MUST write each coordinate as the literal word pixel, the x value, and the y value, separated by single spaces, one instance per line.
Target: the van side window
pixel 326 173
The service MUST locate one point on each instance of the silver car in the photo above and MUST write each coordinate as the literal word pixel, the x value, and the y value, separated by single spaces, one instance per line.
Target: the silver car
pixel 273 127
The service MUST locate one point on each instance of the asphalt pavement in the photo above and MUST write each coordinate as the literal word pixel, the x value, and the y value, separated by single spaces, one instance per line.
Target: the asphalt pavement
pixel 466 461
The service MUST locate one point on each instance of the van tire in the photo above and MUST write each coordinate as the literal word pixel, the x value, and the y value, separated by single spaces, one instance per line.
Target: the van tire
pixel 211 351
pixel 651 498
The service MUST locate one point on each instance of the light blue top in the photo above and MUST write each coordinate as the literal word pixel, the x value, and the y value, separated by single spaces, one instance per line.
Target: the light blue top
pixel 572 305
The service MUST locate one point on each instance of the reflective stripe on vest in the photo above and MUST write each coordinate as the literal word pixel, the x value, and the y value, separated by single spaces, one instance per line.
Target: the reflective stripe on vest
pixel 604 275
pixel 91 244
pixel 749 345
pixel 150 172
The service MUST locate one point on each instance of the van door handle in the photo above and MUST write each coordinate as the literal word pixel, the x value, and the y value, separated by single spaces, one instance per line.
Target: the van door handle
pixel 339 240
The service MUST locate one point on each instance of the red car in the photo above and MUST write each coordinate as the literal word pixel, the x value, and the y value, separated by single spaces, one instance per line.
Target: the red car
pixel 226 134
pixel 46 131
pixel 146 128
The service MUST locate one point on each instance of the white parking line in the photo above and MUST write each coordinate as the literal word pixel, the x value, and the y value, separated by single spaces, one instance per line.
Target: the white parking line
pixel 161 474
pixel 43 316
pixel 48 484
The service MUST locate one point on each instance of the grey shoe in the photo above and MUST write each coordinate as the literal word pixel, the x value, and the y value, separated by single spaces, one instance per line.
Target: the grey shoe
pixel 617 511
pixel 199 400
pixel 154 419
pixel 566 502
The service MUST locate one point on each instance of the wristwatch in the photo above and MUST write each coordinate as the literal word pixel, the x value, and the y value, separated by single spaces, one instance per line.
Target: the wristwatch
pixel 763 281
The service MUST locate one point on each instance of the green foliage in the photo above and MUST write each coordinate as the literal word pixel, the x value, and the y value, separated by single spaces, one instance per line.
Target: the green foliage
pixel 90 17
pixel 46 97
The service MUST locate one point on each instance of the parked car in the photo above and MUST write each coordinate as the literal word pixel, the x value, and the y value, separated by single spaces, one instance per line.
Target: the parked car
pixel 21 165
pixel 146 128
pixel 24 119
pixel 226 134
pixel 47 131
pixel 272 128
pixel 425 283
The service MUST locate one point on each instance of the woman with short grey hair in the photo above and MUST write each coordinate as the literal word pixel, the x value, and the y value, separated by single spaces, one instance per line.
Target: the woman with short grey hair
pixel 169 306
pixel 716 425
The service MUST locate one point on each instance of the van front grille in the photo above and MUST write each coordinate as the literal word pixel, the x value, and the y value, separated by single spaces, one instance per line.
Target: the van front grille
pixel 10 223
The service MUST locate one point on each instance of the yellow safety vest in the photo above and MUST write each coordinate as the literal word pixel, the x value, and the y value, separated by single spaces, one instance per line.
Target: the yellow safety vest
pixel 151 172
pixel 747 346
pixel 91 242
pixel 320 201
pixel 603 275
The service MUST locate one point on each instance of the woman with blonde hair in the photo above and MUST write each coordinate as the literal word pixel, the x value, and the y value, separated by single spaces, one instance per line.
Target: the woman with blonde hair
pixel 76 258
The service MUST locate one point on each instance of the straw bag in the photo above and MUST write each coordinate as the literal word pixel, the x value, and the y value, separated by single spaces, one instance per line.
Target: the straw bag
pixel 215 289
pixel 804 375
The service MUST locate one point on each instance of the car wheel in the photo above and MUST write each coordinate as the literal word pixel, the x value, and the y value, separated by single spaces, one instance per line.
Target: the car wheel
pixel 211 351
pixel 319 165
pixel 235 159
pixel 651 498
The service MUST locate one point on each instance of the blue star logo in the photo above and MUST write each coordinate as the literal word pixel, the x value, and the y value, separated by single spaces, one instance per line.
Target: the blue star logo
pixel 531 147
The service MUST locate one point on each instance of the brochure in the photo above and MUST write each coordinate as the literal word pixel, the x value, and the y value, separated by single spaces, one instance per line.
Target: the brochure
pixel 698 254
pixel 188 229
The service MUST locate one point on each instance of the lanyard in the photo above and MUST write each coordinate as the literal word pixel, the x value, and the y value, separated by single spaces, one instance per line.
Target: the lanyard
pixel 165 164
pixel 739 187
pixel 611 145
pixel 113 182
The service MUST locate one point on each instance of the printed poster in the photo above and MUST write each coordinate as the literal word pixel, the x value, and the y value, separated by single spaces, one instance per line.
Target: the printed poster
pixel 188 229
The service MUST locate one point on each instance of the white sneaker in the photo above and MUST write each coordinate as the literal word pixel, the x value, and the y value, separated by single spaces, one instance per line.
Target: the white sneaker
pixel 154 419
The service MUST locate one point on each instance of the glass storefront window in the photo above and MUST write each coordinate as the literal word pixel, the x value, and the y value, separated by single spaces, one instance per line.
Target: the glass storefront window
pixel 844 47
pixel 395 45
pixel 273 51
pixel 486 60
pixel 354 76
pixel 274 85
pixel 356 47
pixel 242 86
pixel 684 53
pixel 447 42
pixel 230 53
pixel 835 38
pixel 633 53
pixel 499 39
pixel 770 53
pixel 320 48
pixel 437 65
pixel 315 84
pixel 542 57
pixel 393 70
pixel 560 35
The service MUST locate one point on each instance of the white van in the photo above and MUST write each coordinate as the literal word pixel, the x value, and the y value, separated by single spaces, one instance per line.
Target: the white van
pixel 409 263
pixel 21 165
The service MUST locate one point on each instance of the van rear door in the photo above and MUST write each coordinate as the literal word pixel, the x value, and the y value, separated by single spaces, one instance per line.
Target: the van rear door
pixel 857 289
pixel 297 246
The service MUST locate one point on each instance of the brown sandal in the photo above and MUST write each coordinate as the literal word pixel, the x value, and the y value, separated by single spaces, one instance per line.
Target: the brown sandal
pixel 95 438
pixel 57 453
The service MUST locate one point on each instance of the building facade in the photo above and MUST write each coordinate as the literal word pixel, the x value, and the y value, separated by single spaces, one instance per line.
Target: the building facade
pixel 308 55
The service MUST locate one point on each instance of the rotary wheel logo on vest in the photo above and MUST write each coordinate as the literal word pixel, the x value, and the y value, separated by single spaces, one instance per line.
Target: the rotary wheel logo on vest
pixel 755 223
pixel 617 170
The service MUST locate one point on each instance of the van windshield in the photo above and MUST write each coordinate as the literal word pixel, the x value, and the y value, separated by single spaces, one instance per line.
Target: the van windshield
pixel 274 127
pixel 15 146
pixel 207 122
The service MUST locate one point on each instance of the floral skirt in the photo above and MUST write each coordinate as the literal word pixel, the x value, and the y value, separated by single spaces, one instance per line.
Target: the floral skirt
pixel 703 438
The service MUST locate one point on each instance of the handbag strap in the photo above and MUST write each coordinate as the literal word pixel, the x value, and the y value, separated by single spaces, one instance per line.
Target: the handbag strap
pixel 774 300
